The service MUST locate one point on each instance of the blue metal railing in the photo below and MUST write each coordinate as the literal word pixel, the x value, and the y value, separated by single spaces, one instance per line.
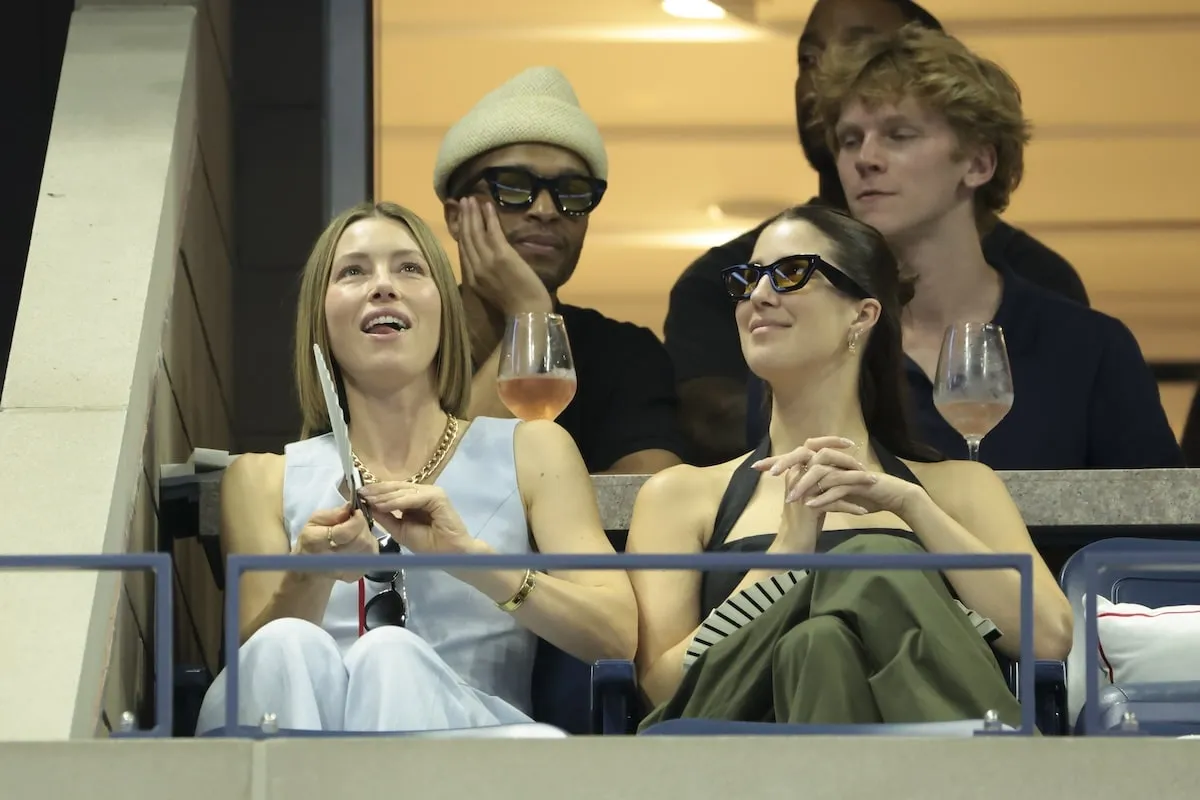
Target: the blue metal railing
pixel 733 562
pixel 160 565
pixel 1094 566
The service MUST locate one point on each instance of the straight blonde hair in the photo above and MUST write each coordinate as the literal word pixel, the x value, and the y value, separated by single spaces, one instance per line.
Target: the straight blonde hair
pixel 452 363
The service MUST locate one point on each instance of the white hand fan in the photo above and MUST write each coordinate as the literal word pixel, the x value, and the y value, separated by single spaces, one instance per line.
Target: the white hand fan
pixel 341 437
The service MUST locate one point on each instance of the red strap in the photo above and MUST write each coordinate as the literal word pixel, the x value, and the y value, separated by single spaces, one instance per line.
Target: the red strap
pixel 362 607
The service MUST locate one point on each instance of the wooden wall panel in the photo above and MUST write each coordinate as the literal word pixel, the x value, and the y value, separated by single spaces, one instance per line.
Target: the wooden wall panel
pixel 1086 78
pixel 1010 14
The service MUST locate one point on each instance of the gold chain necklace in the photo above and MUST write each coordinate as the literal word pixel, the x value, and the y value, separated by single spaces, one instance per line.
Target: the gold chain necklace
pixel 448 437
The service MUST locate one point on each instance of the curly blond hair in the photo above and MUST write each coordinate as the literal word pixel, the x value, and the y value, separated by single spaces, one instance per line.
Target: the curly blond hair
pixel 980 101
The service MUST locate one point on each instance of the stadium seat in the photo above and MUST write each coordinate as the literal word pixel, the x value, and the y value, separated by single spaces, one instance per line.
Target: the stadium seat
pixel 1161 708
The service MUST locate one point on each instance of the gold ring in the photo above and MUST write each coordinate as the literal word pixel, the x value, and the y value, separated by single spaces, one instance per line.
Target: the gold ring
pixel 329 538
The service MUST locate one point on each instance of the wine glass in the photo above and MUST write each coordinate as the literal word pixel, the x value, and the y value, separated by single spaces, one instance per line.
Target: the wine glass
pixel 974 387
pixel 536 378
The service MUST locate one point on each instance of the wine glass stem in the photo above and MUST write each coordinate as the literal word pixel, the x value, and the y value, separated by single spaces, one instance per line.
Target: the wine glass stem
pixel 973 447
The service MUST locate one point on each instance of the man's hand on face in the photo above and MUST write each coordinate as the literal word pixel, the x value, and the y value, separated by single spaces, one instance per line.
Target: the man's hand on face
pixel 491 267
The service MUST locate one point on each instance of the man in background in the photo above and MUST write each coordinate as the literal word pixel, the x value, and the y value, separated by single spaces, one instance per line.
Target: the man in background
pixel 519 176
pixel 1191 432
pixel 701 335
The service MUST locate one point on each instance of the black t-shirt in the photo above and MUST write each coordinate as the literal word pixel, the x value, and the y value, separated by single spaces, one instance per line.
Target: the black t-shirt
pixel 625 400
pixel 701 334
pixel 1191 433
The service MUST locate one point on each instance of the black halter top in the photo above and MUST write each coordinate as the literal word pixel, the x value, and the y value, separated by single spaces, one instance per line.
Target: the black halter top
pixel 715 587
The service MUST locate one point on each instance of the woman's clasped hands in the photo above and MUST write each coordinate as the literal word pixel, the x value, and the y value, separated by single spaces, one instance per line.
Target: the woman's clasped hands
pixel 826 476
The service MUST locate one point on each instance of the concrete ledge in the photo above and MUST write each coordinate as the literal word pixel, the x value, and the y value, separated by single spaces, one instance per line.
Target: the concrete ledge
pixel 587 768
pixel 77 396
pixel 129 770
pixel 1046 499
pixel 1107 497
pixel 1152 497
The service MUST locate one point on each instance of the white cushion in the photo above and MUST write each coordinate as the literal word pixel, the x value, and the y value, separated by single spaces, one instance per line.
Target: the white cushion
pixel 1148 645
pixel 1137 645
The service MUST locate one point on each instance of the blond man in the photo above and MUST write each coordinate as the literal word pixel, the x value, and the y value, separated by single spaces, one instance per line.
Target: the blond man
pixel 929 140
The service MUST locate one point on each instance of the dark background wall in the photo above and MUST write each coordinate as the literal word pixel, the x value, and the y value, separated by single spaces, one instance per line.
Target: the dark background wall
pixel 32 40
pixel 277 192
pixel 302 111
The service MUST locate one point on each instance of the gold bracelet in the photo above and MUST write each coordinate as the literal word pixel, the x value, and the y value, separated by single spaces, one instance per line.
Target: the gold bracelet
pixel 514 602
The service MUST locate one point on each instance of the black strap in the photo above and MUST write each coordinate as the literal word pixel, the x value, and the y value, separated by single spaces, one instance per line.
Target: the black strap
pixel 892 465
pixel 737 495
pixel 744 481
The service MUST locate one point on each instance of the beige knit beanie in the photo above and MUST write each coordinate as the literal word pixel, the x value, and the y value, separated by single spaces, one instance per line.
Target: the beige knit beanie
pixel 537 105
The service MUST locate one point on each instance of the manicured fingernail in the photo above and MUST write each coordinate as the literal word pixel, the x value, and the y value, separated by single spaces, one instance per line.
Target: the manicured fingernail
pixel 848 442
pixel 398 514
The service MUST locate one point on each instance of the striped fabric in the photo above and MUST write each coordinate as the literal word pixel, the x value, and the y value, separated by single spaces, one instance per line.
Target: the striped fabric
pixel 739 610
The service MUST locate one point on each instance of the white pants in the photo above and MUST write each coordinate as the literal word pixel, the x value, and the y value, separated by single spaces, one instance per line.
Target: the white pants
pixel 389 680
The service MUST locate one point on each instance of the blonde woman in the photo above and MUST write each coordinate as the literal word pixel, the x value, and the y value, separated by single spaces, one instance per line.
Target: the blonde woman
pixel 424 650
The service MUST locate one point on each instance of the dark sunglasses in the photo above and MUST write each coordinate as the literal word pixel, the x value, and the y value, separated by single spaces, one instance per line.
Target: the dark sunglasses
pixel 517 189
pixel 389 607
pixel 787 275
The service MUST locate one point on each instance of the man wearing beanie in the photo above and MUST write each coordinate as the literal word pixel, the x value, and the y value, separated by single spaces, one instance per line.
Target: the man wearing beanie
pixel 519 177
pixel 700 331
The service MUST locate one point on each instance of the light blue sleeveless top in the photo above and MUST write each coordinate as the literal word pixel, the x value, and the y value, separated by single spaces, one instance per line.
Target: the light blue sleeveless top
pixel 486 647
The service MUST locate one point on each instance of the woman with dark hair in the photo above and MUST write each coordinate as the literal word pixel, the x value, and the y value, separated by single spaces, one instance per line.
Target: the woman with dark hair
pixel 818 313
